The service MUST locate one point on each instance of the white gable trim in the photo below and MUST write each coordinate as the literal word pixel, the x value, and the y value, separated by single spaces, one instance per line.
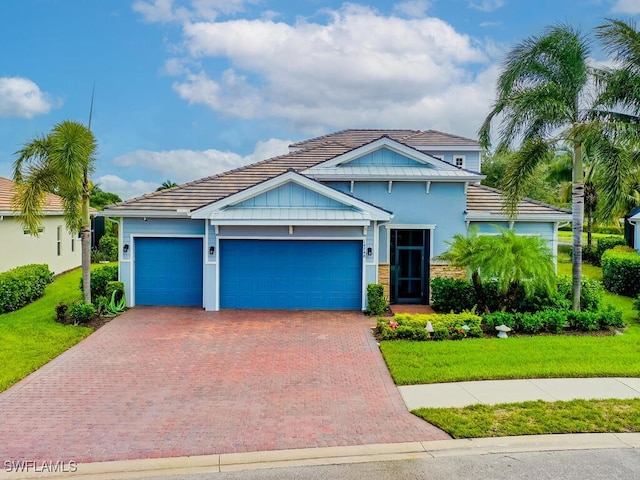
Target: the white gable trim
pixel 385 142
pixel 207 211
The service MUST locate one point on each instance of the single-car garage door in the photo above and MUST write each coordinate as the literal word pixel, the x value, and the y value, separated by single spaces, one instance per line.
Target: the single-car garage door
pixel 291 274
pixel 168 271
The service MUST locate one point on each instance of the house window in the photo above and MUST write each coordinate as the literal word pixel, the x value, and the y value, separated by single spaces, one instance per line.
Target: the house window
pixel 59 239
pixel 26 231
pixel 73 244
pixel 458 161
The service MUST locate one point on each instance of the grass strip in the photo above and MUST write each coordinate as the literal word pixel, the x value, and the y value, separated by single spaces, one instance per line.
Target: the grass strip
pixel 30 337
pixel 536 418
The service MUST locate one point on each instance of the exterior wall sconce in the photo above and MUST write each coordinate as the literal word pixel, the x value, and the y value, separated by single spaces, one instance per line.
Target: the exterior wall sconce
pixel 212 250
pixel 125 249
pixel 369 251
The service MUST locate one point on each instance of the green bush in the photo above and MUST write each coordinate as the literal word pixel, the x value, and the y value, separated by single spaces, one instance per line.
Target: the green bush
pixel 553 320
pixel 591 292
pixel 621 272
pixel 583 321
pixel 115 286
pixel 636 305
pixel 108 246
pixel 23 285
pixel 446 326
pixel 610 316
pixel 548 320
pixel 492 320
pixel 375 299
pixel 81 312
pixel 590 255
pixel 100 277
pixel 604 244
pixel 452 295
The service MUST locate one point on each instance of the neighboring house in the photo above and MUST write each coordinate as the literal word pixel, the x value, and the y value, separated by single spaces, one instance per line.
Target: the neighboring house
pixel 312 228
pixel 54 245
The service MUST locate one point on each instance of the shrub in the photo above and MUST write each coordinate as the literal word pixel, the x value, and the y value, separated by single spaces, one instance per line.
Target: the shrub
pixel 610 316
pixel 590 293
pixel 114 286
pixel 590 255
pixel 605 244
pixel 445 326
pixel 636 305
pixel 553 320
pixel 583 321
pixel 375 299
pixel 61 313
pixel 81 312
pixel 108 246
pixel 621 272
pixel 23 285
pixel 99 279
pixel 494 319
pixel 452 295
pixel 530 322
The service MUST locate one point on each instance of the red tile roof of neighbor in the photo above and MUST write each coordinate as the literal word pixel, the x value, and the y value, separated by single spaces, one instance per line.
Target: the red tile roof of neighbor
pixel 53 203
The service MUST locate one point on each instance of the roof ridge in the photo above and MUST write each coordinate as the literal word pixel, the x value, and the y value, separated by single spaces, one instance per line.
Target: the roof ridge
pixel 450 135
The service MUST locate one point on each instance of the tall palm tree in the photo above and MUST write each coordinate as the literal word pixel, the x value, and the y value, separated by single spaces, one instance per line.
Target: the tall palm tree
pixel 60 163
pixel 542 101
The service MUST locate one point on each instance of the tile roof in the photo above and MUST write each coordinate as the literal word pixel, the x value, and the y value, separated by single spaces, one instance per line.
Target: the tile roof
pixel 484 200
pixel 436 138
pixel 355 138
pixel 202 192
pixel 53 203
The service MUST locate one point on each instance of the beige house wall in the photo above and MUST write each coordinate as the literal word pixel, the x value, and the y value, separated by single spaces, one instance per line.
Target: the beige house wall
pixel 18 248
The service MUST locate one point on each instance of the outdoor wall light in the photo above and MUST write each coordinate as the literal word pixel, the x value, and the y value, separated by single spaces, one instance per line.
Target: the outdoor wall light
pixel 369 251
pixel 212 250
pixel 125 249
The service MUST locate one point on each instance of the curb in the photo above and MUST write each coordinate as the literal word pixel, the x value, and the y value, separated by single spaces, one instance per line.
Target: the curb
pixel 228 462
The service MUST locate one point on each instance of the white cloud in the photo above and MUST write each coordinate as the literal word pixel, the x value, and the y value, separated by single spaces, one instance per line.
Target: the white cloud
pixel 486 5
pixel 490 24
pixel 330 75
pixel 124 188
pixel 182 166
pixel 164 11
pixel 413 8
pixel 631 7
pixel 21 97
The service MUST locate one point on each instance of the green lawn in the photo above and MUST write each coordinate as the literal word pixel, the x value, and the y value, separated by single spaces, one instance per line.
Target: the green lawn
pixel 536 418
pixel 30 337
pixel 567 236
pixel 523 357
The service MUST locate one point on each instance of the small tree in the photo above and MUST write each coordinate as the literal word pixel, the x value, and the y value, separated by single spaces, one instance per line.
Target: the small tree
pixel 513 261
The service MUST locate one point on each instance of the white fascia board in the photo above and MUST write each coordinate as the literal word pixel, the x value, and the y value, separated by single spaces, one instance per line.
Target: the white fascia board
pixel 142 213
pixel 205 212
pixel 8 213
pixel 488 217
pixel 311 223
pixel 635 218
pixel 448 148
pixel 395 178
pixel 385 142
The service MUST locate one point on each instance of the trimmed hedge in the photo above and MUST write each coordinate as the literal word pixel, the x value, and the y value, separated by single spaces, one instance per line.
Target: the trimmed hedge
pixel 554 320
pixel 448 326
pixel 377 304
pixel 604 244
pixel 22 285
pixel 621 271
pixel 452 295
pixel 100 277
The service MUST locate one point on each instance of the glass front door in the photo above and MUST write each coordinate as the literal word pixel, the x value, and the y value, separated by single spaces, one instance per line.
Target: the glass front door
pixel 409 266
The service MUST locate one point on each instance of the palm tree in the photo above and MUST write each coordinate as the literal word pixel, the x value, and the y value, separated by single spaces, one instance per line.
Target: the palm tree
pixel 166 184
pixel 517 262
pixel 60 163
pixel 541 97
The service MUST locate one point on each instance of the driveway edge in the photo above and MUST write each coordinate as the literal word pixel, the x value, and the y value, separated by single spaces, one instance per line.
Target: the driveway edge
pixel 335 455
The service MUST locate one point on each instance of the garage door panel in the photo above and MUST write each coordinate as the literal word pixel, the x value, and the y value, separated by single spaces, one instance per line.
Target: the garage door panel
pixel 168 271
pixel 290 274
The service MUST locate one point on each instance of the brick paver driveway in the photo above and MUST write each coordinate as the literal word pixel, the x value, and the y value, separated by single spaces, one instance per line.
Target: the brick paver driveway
pixel 161 382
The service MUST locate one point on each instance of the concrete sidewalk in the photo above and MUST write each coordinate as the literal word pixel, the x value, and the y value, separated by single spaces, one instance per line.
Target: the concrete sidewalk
pixel 491 392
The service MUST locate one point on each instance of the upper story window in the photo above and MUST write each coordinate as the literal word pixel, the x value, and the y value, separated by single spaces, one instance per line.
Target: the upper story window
pixel 459 160
pixel 59 239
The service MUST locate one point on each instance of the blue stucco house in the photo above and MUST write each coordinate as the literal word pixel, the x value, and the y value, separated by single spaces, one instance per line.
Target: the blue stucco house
pixel 312 228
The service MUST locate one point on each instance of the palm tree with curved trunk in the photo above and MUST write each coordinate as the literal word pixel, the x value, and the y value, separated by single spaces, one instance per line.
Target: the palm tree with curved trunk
pixel 59 163
pixel 542 100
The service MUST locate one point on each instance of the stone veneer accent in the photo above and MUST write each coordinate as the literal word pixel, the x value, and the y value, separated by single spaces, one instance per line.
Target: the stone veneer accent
pixel 444 270
pixel 384 278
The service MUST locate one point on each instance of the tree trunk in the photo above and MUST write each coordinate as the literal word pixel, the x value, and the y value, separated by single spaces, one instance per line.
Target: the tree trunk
pixel 577 211
pixel 481 300
pixel 85 240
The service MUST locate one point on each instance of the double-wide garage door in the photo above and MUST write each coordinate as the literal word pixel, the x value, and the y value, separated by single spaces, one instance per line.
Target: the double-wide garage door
pixel 291 274
pixel 168 271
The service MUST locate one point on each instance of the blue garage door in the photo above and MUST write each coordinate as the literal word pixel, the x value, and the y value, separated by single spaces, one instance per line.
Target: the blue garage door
pixel 274 274
pixel 168 271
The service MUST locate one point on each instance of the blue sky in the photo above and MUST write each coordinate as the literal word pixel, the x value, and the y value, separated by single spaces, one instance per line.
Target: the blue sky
pixel 190 88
